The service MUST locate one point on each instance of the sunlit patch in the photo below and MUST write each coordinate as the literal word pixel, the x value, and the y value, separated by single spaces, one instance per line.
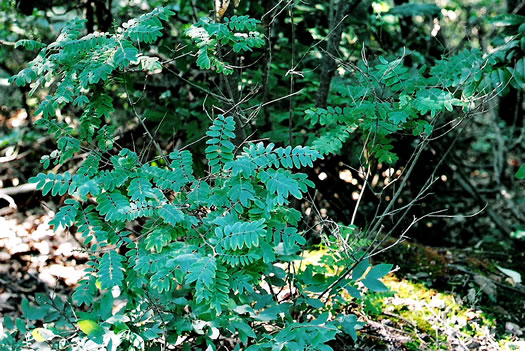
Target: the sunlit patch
pixel 316 258
pixel 70 275
pixel 436 28
pixel 451 14
pixel 380 6
pixel 388 173
pixel 35 234
pixel 375 180
pixel 346 176
pixel 427 313
pixel 322 176
pixel 17 119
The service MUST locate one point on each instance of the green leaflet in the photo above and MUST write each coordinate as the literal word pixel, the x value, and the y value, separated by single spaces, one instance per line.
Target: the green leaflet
pixel 221 289
pixel 110 270
pixel 371 280
pixel 435 100
pixel 29 44
pixel 105 138
pixel 241 23
pixel 351 325
pixel 520 174
pixel 148 27
pixel 90 225
pixel 85 291
pixel 90 167
pixel 259 155
pixel 159 238
pixel 171 214
pixel 239 235
pixel 68 146
pixel 235 259
pixel 332 140
pixel 282 183
pixel 125 55
pixel 142 209
pixel 65 217
pixel 165 179
pixel 242 192
pixel 24 77
pixel 202 272
pixel 114 206
pixel 220 149
pixel 182 166
pixel 141 189
pixel 56 184
pixel 93 73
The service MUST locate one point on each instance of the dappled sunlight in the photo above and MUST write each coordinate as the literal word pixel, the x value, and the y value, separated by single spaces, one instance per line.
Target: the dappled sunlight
pixel 438 320
pixel 29 247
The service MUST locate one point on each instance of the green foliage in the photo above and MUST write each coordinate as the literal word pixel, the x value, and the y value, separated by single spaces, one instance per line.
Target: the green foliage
pixel 389 99
pixel 202 246
pixel 110 270
pixel 29 44
pixel 219 259
pixel 520 174
pixel 371 280
pixel 220 149
pixel 415 9
pixel 84 64
pixel 189 255
pixel 238 32
pixel 56 184
pixel 507 63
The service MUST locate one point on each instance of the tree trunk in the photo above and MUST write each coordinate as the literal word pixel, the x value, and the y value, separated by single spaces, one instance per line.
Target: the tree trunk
pixel 328 65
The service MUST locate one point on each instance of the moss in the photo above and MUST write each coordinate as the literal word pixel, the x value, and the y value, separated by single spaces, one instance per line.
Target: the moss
pixel 419 310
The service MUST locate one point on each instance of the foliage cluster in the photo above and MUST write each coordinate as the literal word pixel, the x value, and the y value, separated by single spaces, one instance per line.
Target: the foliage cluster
pixel 202 247
pixel 210 252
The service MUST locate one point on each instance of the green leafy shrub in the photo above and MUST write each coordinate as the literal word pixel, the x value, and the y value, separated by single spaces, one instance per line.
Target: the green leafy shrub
pixel 201 259
pixel 177 258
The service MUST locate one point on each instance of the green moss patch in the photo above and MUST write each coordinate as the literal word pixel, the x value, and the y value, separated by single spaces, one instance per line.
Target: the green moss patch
pixel 433 320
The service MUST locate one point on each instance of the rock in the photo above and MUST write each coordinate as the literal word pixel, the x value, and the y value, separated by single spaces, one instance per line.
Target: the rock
pixel 486 285
pixel 513 328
